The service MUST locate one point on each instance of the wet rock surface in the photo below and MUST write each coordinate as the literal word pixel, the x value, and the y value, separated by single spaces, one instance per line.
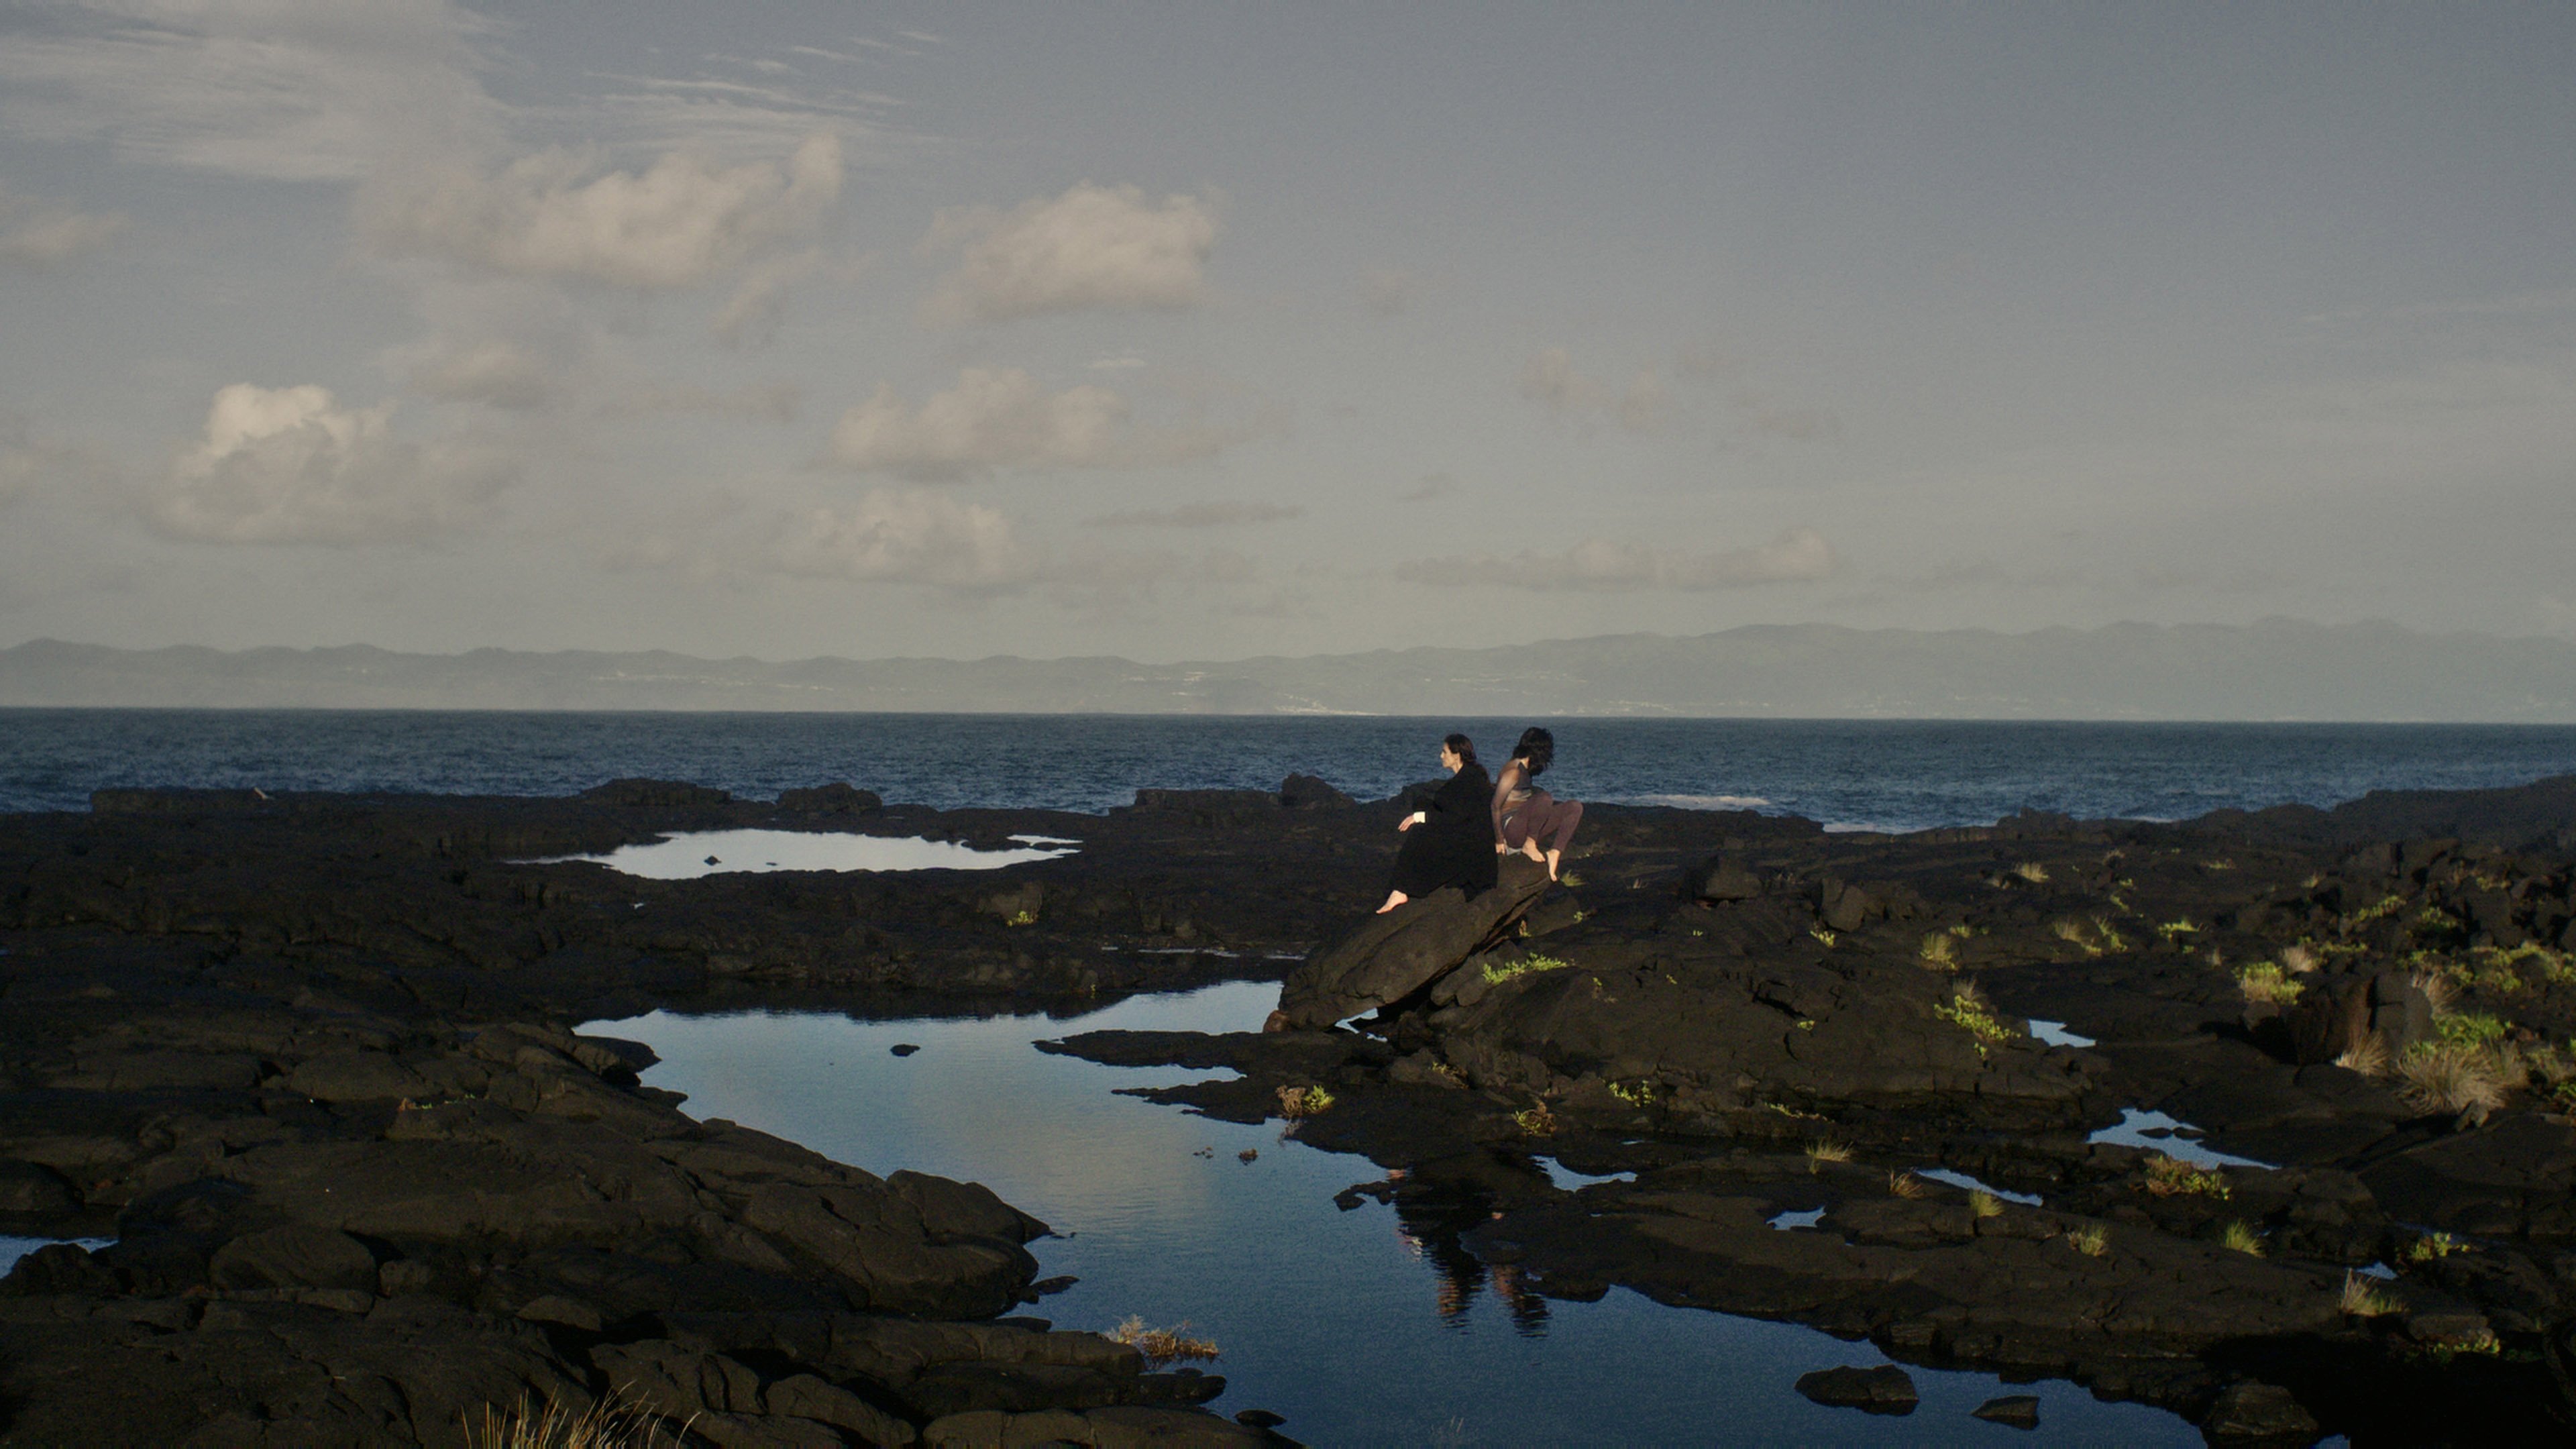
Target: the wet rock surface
pixel 304 1057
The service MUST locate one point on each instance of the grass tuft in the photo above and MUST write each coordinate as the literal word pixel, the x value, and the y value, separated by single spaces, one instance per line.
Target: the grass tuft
pixel 1297 1103
pixel 2438 988
pixel 2368 1056
pixel 2433 1247
pixel 1940 951
pixel 1825 1150
pixel 2032 872
pixel 611 1423
pixel 1969 1011
pixel 1525 966
pixel 2265 982
pixel 2173 1177
pixel 2240 1237
pixel 2450 1076
pixel 2092 1240
pixel 2471 1027
pixel 2300 959
pixel 1984 1204
pixel 1536 1120
pixel 1906 1185
pixel 1161 1346
pixel 2364 1299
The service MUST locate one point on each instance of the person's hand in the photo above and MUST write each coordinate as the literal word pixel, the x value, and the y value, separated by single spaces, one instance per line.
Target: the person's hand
pixel 1501 849
pixel 1412 820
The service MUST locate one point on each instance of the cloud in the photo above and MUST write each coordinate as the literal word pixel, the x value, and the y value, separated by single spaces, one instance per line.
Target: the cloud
pixel 759 302
pixel 1198 515
pixel 290 465
pixel 1550 379
pixel 907 535
pixel 676 224
pixel 496 374
pixel 1798 425
pixel 40 233
pixel 1003 418
pixel 1800 555
pixel 292 90
pixel 1387 291
pixel 1094 247
pixel 763 402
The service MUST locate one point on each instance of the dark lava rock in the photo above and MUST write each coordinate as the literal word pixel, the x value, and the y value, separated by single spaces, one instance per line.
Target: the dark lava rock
pixel 837 798
pixel 2020 1411
pixel 2252 1412
pixel 1259 1418
pixel 666 794
pixel 1391 955
pixel 903 1048
pixel 1305 792
pixel 1724 878
pixel 1885 1389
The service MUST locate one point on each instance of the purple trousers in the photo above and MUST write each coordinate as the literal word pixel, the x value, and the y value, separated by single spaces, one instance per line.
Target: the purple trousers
pixel 1543 818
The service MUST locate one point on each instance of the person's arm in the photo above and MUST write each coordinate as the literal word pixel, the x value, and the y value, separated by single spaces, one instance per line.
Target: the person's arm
pixel 1502 796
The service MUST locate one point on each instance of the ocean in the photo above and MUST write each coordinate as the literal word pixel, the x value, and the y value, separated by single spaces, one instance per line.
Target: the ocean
pixel 1854 774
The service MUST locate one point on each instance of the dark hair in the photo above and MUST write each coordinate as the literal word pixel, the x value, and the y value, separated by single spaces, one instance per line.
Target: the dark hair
pixel 1537 750
pixel 1461 746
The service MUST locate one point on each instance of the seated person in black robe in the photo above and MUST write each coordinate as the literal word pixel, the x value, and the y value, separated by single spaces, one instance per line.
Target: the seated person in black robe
pixel 1450 841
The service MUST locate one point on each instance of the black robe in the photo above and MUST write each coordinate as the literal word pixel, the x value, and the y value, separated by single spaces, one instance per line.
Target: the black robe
pixel 1455 845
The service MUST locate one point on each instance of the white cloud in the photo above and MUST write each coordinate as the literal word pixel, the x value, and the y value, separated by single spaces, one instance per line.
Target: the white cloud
pixel 1093 247
pixel 496 374
pixel 676 224
pixel 1800 555
pixel 296 90
pixel 290 465
pixel 1003 418
pixel 1549 378
pixel 759 302
pixel 1198 515
pixel 1387 291
pixel 763 402
pixel 907 535
pixel 1798 425
pixel 42 232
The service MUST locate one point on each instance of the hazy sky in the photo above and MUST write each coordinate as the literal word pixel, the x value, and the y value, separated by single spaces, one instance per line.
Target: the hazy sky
pixel 1214 330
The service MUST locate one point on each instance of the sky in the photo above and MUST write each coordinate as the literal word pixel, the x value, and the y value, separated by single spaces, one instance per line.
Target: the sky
pixel 1211 331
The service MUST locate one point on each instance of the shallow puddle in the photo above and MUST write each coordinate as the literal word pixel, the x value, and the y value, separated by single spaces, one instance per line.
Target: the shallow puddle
pixel 1569 1180
pixel 2160 1133
pixel 1961 1179
pixel 691 854
pixel 2054 1033
pixel 12 1249
pixel 1360 1327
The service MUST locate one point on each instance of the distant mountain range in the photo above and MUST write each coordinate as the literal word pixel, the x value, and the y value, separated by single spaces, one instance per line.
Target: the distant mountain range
pixel 2273 670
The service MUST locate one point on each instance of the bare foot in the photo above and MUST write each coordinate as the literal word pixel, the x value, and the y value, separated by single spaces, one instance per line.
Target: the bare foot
pixel 1553 857
pixel 1393 899
pixel 1530 849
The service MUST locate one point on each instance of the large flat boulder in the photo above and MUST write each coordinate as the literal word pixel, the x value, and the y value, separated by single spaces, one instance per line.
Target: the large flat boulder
pixel 1392 955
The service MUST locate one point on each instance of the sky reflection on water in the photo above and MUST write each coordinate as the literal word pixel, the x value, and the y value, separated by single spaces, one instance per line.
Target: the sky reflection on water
pixel 1356 1330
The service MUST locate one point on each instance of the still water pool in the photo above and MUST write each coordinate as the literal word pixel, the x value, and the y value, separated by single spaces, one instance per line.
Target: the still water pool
pixel 1343 1321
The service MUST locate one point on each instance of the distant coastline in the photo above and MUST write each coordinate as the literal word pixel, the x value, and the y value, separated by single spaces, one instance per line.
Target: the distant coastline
pixel 2275 670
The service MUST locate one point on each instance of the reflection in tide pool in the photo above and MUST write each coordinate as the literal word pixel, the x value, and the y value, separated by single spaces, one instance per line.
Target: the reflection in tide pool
pixel 1359 1329
pixel 12 1249
pixel 691 854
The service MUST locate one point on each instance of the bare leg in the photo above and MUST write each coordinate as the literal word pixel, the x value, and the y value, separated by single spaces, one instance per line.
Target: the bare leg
pixel 1393 899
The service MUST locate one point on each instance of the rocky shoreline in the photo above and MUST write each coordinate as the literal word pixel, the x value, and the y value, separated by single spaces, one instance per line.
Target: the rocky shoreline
pixel 306 1059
